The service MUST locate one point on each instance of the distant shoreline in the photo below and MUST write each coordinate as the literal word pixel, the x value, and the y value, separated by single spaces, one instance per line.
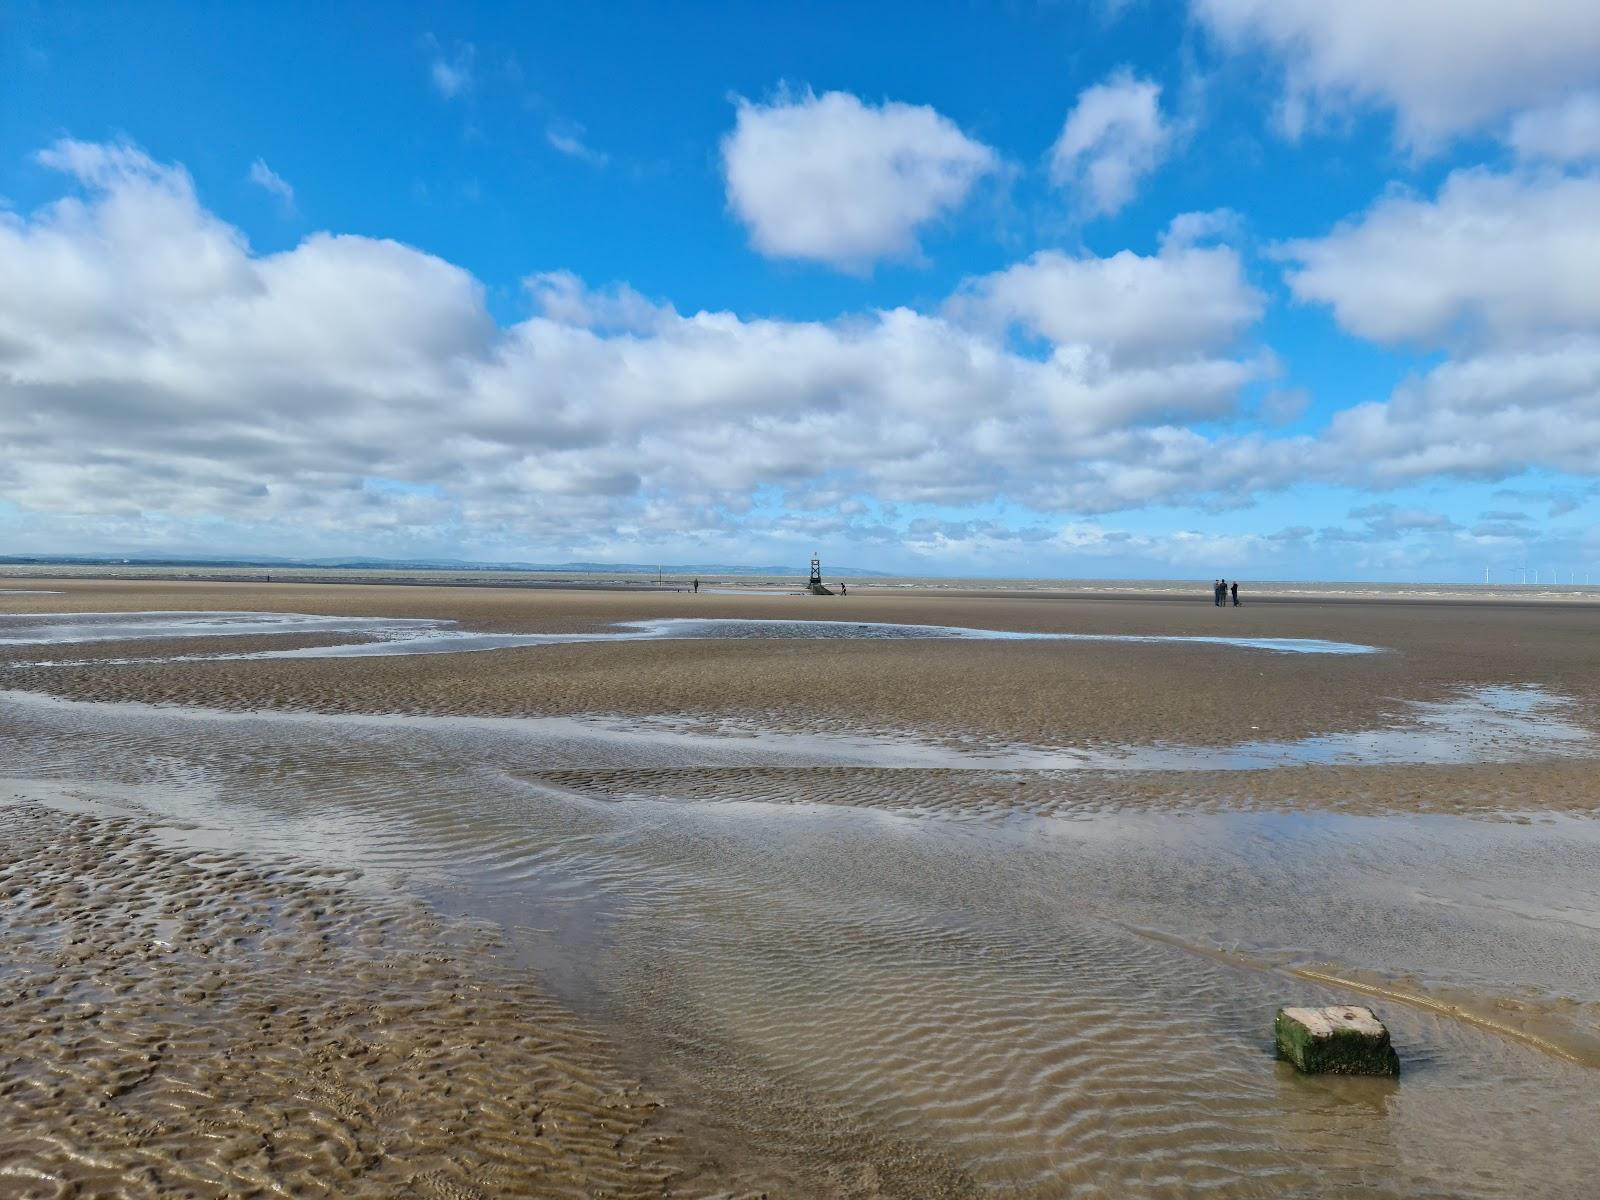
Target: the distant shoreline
pixel 1187 591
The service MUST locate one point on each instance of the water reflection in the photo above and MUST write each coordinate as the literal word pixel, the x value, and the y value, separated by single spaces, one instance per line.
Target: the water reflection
pixel 380 636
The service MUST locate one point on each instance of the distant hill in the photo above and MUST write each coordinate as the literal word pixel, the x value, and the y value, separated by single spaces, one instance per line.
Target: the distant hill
pixel 428 564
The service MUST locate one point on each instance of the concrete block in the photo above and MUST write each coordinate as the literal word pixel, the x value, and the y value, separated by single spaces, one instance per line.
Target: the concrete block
pixel 1344 1039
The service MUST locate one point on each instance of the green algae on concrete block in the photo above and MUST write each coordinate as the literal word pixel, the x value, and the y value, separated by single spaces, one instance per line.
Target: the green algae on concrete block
pixel 1344 1039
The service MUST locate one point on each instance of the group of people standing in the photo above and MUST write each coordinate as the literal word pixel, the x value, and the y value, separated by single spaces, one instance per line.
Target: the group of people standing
pixel 1222 589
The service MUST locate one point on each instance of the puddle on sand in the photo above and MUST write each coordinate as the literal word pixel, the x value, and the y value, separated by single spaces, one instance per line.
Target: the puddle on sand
pixel 49 629
pixel 1494 724
pixel 978 985
pixel 393 635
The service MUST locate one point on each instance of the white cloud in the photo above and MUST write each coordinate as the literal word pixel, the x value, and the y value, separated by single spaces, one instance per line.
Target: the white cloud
pixel 1388 539
pixel 1567 131
pixel 150 363
pixel 270 181
pixel 567 138
pixel 989 542
pixel 1487 416
pixel 1192 228
pixel 1444 66
pixel 1186 301
pixel 1495 257
pixel 1188 548
pixel 1497 268
pixel 834 180
pixel 563 297
pixel 159 379
pixel 102 164
pixel 452 76
pixel 1114 136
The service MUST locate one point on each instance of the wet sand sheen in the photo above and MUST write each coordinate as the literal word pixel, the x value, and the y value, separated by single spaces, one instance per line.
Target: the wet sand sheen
pixel 982 974
pixel 1486 726
pixel 390 637
pixel 206 1025
pixel 1035 692
pixel 996 958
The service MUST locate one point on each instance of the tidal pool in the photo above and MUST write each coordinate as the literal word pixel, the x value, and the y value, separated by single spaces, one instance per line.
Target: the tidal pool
pixel 1501 724
pixel 399 635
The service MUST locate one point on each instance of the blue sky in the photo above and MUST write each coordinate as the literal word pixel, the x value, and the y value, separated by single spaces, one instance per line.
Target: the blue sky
pixel 1092 289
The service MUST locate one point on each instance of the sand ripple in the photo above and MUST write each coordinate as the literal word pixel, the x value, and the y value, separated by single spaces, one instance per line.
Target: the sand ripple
pixel 845 968
pixel 198 1024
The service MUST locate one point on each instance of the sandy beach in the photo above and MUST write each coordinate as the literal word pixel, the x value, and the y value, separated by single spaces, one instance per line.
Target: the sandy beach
pixel 201 1024
pixel 599 604
pixel 761 911
pixel 1042 692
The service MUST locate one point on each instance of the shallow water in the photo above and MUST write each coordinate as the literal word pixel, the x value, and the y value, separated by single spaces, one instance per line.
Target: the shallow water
pixel 384 636
pixel 1069 1007
pixel 47 629
pixel 1503 724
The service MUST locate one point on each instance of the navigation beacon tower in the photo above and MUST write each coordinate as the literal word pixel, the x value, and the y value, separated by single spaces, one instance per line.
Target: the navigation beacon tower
pixel 814 584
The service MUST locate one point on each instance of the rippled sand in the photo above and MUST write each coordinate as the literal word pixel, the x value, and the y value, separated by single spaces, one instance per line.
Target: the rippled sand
pixel 1022 692
pixel 199 1023
pixel 787 918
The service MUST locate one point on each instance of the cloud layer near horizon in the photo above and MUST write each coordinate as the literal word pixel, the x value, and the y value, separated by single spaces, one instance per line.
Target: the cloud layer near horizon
pixel 153 366
pixel 152 362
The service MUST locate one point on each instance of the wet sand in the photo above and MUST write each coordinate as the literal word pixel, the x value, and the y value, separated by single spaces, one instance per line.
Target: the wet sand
pixel 202 1024
pixel 1086 693
pixel 699 904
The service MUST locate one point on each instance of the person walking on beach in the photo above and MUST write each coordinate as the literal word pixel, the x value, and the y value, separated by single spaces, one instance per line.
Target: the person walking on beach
pixel 1236 593
pixel 1216 592
pixel 696 587
pixel 843 590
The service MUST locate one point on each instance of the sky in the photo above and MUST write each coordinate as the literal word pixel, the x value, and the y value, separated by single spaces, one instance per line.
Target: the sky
pixel 1116 288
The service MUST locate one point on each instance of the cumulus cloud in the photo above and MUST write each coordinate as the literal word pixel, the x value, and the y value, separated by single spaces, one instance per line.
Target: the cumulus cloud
pixel 1193 228
pixel 1498 268
pixel 564 298
pixel 1443 66
pixel 834 180
pixel 1114 136
pixel 1567 131
pixel 1183 303
pixel 269 181
pixel 1487 416
pixel 159 378
pixel 152 363
pixel 1497 257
